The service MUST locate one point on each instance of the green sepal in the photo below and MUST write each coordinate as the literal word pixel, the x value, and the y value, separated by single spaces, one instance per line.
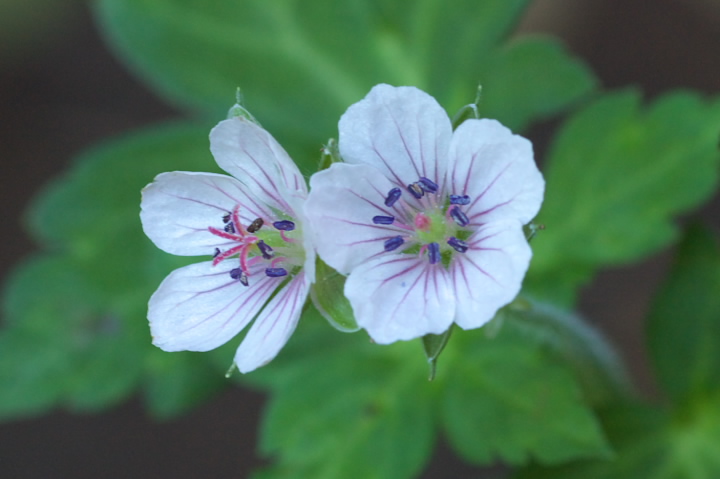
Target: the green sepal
pixel 469 111
pixel 327 294
pixel 330 154
pixel 433 345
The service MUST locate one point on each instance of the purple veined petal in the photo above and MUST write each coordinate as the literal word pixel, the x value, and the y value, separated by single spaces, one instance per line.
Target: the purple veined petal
pixel 342 203
pixel 496 169
pixel 400 297
pixel 200 307
pixel 272 329
pixel 402 131
pixel 490 273
pixel 178 207
pixel 251 154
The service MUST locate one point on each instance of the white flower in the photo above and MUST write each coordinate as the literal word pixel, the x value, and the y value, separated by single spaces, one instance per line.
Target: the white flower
pixel 254 228
pixel 427 222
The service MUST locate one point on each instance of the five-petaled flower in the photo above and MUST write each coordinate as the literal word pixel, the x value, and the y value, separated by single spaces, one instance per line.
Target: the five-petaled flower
pixel 427 222
pixel 254 228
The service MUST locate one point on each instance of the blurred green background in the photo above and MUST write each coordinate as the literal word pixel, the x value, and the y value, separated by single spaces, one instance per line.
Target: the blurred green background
pixel 62 91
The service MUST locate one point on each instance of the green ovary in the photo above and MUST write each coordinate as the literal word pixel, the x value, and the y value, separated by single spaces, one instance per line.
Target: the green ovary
pixel 438 228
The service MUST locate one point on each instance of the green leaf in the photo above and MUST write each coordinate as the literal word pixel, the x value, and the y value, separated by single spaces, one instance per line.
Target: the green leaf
pixel 178 382
pixel 68 342
pixel 301 64
pixel 346 408
pixel 594 363
pixel 650 443
pixel 528 79
pixel 80 313
pixel 684 323
pixel 507 398
pixel 617 174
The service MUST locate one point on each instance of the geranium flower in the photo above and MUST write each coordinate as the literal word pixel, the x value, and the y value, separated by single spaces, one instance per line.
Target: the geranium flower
pixel 427 222
pixel 252 225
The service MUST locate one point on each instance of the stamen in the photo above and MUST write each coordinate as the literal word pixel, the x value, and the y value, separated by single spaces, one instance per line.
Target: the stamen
pixel 238 274
pixel 255 225
pixel 224 234
pixel 276 272
pixel 226 218
pixel 416 190
pixel 428 185
pixel 229 228
pixel 286 238
pixel 392 197
pixel 459 217
pixel 383 220
pixel 434 253
pixel 216 253
pixel 284 225
pixel 226 254
pixel 459 200
pixel 393 243
pixel 458 245
pixel 267 251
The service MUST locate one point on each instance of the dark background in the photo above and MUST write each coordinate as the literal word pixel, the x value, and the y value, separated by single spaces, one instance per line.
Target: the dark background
pixel 61 91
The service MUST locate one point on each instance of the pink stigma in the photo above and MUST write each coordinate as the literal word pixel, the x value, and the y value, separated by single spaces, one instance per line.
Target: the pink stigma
pixel 422 222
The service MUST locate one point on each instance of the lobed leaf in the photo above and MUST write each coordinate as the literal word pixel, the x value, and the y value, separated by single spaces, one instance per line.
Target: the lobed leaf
pixel 683 327
pixel 505 399
pixel 301 64
pixel 617 175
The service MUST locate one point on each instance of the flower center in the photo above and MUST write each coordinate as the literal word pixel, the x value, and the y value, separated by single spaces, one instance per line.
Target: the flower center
pixel 434 226
pixel 263 240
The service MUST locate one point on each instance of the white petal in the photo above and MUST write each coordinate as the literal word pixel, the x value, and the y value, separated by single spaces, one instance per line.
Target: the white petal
pixel 489 275
pixel 402 131
pixel 252 155
pixel 177 209
pixel 199 307
pixel 400 297
pixel 497 170
pixel 272 329
pixel 342 203
pixel 308 240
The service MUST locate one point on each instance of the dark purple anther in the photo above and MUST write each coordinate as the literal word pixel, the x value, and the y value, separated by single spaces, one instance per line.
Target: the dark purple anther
pixel 392 197
pixel 393 243
pixel 383 220
pixel 255 225
pixel 459 217
pixel 459 200
pixel 216 253
pixel 267 251
pixel 416 190
pixel 434 253
pixel 428 185
pixel 226 218
pixel 284 225
pixel 276 272
pixel 238 274
pixel 229 228
pixel 458 245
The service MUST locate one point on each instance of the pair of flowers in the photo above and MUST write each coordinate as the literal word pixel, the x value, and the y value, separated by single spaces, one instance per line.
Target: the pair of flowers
pixel 426 223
